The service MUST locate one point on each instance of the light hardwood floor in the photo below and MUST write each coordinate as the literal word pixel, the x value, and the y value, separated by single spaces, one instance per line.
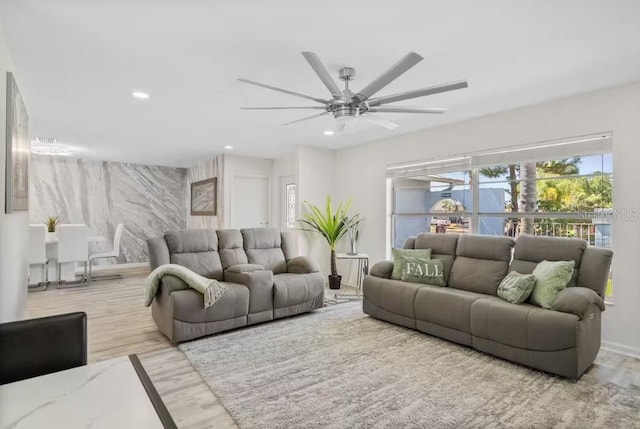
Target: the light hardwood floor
pixel 119 325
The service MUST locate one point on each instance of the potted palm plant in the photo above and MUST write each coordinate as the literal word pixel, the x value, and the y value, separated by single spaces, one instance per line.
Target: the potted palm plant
pixel 332 225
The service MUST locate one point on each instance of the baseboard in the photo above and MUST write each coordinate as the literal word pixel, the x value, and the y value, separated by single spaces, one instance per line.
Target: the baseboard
pixel 114 267
pixel 121 266
pixel 621 348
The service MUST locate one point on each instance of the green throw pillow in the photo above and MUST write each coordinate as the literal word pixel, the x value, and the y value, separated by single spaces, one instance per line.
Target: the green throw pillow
pixel 419 271
pixel 516 288
pixel 400 254
pixel 551 279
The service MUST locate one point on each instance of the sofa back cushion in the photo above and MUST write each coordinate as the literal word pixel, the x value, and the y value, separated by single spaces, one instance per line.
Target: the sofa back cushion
pixel 231 248
pixel 594 269
pixel 482 261
pixel 530 250
pixel 196 249
pixel 443 247
pixel 263 247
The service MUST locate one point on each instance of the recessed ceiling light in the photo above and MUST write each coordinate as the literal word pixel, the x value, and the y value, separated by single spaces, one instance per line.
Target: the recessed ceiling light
pixel 228 147
pixel 328 133
pixel 140 95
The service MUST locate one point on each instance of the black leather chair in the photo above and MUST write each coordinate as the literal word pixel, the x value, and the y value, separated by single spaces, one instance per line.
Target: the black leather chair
pixel 29 348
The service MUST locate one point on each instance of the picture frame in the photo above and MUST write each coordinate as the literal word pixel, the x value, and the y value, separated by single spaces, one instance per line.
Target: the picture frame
pixel 17 150
pixel 204 195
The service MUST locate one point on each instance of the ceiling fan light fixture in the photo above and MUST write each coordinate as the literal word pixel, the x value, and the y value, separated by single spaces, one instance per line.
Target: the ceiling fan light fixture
pixel 346 106
pixel 345 119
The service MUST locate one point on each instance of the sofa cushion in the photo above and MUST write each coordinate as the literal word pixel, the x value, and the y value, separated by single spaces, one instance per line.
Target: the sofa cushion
pixel 551 279
pixel 196 249
pixel 529 250
pixel 516 288
pixel 230 248
pixel 191 240
pixel 443 247
pixel 429 272
pixel 262 246
pixel 482 261
pixel 403 256
pixel 188 305
pixel 445 307
pixel 442 244
pixel 394 296
pixel 294 289
pixel 523 326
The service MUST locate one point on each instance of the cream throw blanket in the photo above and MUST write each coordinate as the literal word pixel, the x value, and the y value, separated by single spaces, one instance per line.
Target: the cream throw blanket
pixel 211 290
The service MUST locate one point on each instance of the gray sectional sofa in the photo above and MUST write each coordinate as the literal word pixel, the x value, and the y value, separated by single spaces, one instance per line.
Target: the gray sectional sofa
pixel 265 280
pixel 564 340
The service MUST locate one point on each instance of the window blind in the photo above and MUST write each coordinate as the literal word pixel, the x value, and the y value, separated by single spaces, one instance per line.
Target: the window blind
pixel 593 144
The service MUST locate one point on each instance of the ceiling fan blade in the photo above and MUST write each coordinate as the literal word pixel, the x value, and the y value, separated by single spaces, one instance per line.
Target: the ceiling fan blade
pixel 323 74
pixel 379 121
pixel 430 90
pixel 408 61
pixel 306 119
pixel 283 108
pixel 286 91
pixel 398 109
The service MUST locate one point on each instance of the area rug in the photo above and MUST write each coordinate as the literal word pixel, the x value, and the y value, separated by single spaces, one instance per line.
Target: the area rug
pixel 339 368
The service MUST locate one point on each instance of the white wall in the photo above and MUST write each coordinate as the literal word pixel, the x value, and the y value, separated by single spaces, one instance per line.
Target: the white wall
pixel 205 170
pixel 315 173
pixel 360 173
pixel 13 227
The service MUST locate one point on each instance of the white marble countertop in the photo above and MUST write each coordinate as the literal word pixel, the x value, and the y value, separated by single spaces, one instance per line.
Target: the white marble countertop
pixel 107 394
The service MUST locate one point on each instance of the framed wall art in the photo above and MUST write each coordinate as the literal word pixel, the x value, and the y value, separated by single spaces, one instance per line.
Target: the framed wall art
pixel 17 159
pixel 203 197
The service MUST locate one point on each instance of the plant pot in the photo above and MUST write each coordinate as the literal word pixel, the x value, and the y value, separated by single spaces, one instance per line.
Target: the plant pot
pixel 334 282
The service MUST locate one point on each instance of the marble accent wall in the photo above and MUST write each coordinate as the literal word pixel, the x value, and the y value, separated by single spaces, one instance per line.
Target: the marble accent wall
pixel 148 200
pixel 205 170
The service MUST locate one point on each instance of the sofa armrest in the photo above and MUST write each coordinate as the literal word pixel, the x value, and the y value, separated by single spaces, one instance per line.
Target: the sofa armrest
pixel 245 268
pixel 382 269
pixel 577 300
pixel 260 285
pixel 169 283
pixel 251 279
pixel 302 265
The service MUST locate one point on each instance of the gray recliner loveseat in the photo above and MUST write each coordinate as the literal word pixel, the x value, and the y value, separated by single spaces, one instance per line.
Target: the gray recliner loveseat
pixel 563 340
pixel 265 280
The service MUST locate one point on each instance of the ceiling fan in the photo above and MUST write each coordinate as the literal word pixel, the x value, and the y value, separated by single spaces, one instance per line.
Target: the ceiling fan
pixel 346 106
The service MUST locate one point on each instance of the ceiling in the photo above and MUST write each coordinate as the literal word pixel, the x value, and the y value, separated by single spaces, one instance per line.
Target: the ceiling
pixel 78 61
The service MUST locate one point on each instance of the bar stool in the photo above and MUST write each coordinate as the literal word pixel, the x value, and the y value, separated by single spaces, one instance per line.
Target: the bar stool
pixel 73 246
pixel 113 253
pixel 37 253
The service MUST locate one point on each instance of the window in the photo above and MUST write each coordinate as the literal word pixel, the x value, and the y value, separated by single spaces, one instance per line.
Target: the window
pixel 560 189
pixel 431 202
pixel 290 205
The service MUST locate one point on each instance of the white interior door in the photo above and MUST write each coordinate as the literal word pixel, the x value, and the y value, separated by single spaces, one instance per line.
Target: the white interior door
pixel 250 202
